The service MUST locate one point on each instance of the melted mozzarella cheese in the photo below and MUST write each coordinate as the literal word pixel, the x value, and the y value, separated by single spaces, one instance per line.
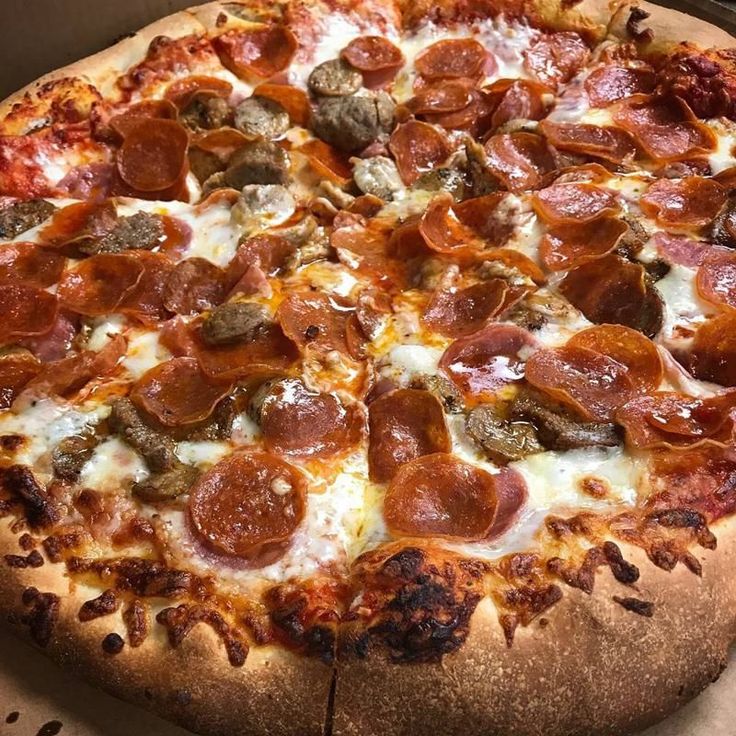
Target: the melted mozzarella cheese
pixel 684 309
pixel 144 352
pixel 403 363
pixel 112 466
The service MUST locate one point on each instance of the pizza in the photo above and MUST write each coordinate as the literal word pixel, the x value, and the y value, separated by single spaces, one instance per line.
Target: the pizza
pixel 370 367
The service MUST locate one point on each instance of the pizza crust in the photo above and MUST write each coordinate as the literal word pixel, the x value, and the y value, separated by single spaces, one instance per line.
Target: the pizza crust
pixel 594 669
pixel 275 692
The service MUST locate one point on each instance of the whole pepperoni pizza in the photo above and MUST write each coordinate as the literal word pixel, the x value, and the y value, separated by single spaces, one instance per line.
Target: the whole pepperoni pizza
pixel 370 367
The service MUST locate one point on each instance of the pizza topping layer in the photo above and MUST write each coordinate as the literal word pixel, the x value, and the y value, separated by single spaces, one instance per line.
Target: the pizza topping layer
pixel 305 323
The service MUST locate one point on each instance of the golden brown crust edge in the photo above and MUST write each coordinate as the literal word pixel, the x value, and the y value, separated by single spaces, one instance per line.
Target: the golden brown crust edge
pixel 275 692
pixel 588 667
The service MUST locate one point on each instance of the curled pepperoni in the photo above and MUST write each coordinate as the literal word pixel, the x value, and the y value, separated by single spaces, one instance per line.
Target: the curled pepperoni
pixel 611 290
pixel 609 143
pixel 16 370
pixel 315 319
pixel 713 352
pixel 153 156
pixel 56 342
pixel 482 363
pixel 562 204
pixel 555 58
pixel 457 312
pixel 592 384
pixel 30 264
pixel 452 59
pixel 442 230
pixel 376 58
pixel 418 147
pixel 78 222
pixel 519 160
pixel 442 496
pixel 565 246
pixel 182 91
pixel 261 51
pixel 447 96
pixel 638 354
pixel 669 419
pixel 327 161
pixel 248 506
pixel 664 127
pixel 716 279
pixel 269 252
pixel 294 100
pixel 475 118
pixel 176 336
pixel 268 352
pixel 484 216
pixel 609 84
pixel 302 423
pixel 690 202
pixel 517 100
pixel 98 285
pixel 177 393
pixel 146 300
pixel 404 424
pixel 682 250
pixel 194 285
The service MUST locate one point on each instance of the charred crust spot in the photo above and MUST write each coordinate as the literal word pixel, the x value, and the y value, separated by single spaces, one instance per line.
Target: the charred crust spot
pixel 582 577
pixel 113 644
pixel 664 555
pixel 634 25
pixel 11 442
pixel 103 605
pixel 135 618
pixel 32 559
pixel 42 615
pixel 686 519
pixel 179 621
pixel 636 605
pixel 509 623
pixel 221 20
pixel 19 481
pixel 142 577
pixel 526 603
pixel 625 572
pixel 26 542
pixel 57 544
pixel 693 564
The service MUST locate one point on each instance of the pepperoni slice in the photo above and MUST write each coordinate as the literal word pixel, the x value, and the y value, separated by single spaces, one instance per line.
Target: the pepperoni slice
pixel 294 100
pixel 55 343
pixel 519 100
pixel 195 285
pixel 442 496
pixel 78 222
pixel 269 352
pixel 418 147
pixel 474 118
pixel 682 250
pixel 519 160
pixel 713 352
pixel 562 204
pixel 611 290
pixel 609 143
pixel 691 202
pixel 182 91
pixel 146 300
pixel 484 216
pixel 452 59
pixel 442 230
pixel 176 336
pixel 565 246
pixel 404 424
pixel 664 127
pixel 592 384
pixel 482 363
pixel 70 375
pixel 638 354
pixel 100 284
pixel 305 424
pixel 177 393
pixel 315 319
pixel 555 58
pixel 121 125
pixel 716 279
pixel 669 419
pixel 16 370
pixel 153 156
pixel 30 264
pixel 270 253
pixel 457 312
pixel 248 506
pixel 609 84
pixel 261 51
pixel 447 96
pixel 327 161
pixel 376 57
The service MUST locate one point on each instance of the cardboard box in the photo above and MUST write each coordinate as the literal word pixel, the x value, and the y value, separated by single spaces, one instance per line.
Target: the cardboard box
pixel 36 697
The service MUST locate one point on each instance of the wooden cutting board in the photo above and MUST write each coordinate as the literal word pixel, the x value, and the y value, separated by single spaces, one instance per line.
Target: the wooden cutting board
pixel 36 697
